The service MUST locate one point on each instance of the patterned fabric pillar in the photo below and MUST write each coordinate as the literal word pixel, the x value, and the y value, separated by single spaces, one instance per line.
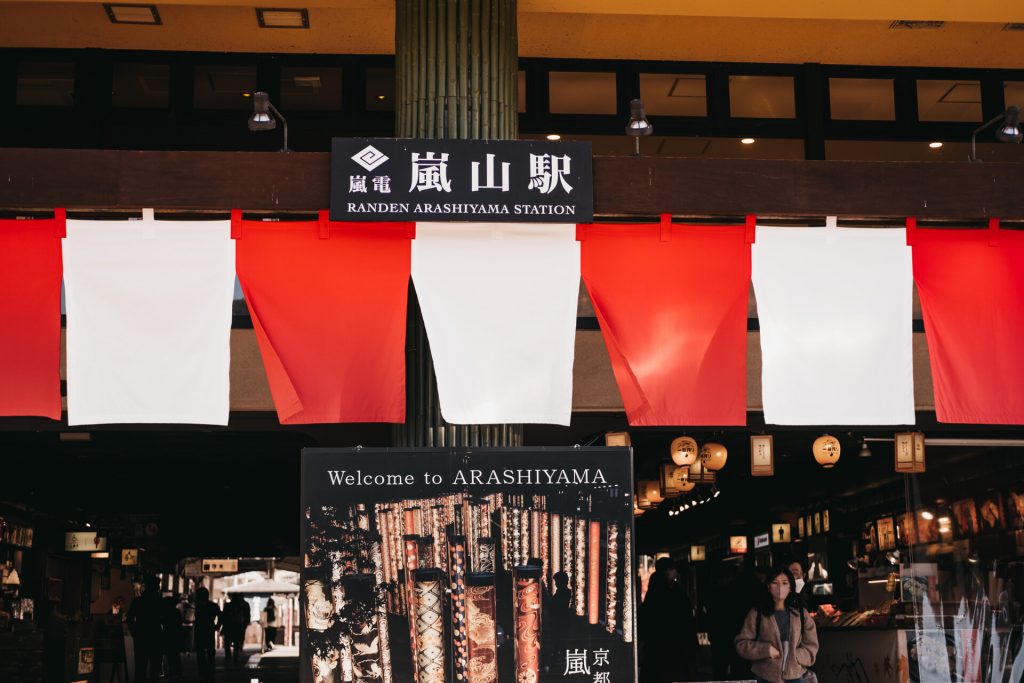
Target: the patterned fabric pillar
pixel 629 582
pixel 430 646
pixel 460 647
pixel 527 623
pixel 319 618
pixel 481 615
pixel 580 571
pixel 367 664
pixel 338 569
pixel 411 567
pixel 594 572
pixel 506 540
pixel 611 585
pixel 382 613
pixel 556 543
pixel 485 551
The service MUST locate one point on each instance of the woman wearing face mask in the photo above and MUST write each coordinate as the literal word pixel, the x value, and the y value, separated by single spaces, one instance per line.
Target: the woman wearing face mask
pixel 778 637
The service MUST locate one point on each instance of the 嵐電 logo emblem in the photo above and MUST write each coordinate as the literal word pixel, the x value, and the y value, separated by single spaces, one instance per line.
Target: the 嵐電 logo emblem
pixel 369 157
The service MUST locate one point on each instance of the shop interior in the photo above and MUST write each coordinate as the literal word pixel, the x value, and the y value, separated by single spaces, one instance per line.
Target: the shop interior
pixel 919 573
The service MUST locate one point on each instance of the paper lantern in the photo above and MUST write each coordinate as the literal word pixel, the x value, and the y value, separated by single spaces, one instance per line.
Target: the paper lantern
pixel 652 489
pixel 909 449
pixel 826 451
pixel 617 439
pixel 699 474
pixel 713 455
pixel 683 451
pixel 675 480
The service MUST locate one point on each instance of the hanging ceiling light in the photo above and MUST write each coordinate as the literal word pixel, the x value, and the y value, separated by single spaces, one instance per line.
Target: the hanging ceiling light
pixel 1009 131
pixel 865 451
pixel 638 125
pixel 264 115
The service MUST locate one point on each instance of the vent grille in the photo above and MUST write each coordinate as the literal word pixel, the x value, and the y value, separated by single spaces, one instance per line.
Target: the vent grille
pixel 913 24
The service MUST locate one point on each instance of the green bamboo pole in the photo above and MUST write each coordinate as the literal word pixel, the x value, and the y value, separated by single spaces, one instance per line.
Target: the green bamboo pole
pixel 456 66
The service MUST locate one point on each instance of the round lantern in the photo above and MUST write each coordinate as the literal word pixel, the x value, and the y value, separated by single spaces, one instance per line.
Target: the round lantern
pixel 826 451
pixel 681 480
pixel 713 455
pixel 653 491
pixel 684 451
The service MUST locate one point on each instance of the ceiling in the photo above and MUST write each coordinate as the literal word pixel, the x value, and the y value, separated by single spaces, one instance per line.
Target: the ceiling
pixel 784 32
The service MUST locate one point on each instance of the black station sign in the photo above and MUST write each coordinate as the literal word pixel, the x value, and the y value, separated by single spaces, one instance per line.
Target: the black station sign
pixel 380 179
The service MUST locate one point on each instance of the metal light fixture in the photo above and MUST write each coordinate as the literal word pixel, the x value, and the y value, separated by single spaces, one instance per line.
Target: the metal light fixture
pixel 638 125
pixel 865 450
pixel 265 115
pixel 1008 132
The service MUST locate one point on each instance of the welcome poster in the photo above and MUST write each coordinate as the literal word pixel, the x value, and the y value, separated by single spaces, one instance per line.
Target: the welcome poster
pixel 467 565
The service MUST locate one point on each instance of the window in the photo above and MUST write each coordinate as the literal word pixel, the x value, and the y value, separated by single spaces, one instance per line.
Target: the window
pixel 761 97
pixel 45 84
pixel 141 86
pixel 581 92
pixel 1013 93
pixel 948 100
pixel 223 86
pixel 674 94
pixel 861 99
pixel 380 89
pixel 310 88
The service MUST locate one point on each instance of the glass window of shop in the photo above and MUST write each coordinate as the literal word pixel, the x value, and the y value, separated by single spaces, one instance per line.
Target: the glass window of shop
pixel 861 99
pixel 946 100
pixel 45 84
pixel 311 88
pixel 674 94
pixel 380 89
pixel 223 86
pixel 581 92
pixel 141 86
pixel 761 97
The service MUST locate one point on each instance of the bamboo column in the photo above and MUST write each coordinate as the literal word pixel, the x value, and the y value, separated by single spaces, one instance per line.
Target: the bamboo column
pixel 456 77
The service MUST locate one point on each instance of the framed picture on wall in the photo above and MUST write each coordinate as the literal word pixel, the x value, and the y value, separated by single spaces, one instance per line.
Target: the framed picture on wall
pixel 800 527
pixel 1014 509
pixel 927 529
pixel 907 527
pixel 817 522
pixel 990 512
pixel 886 533
pixel 965 518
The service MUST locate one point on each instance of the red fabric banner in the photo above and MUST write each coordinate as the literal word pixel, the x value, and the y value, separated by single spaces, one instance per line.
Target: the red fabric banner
pixel 672 304
pixel 328 303
pixel 30 276
pixel 971 285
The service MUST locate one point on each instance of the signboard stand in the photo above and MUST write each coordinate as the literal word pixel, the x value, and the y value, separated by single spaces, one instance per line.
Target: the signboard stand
pixel 417 560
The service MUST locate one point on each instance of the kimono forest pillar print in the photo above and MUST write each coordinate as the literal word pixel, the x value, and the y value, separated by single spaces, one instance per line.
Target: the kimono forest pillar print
pixel 456 566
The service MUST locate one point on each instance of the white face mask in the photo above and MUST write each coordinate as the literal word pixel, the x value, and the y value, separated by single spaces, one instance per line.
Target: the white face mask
pixel 799 585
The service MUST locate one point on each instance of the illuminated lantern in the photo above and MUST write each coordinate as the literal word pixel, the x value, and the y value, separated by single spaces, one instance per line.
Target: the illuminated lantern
pixel 713 455
pixel 617 439
pixel 684 451
pixel 826 451
pixel 699 474
pixel 653 490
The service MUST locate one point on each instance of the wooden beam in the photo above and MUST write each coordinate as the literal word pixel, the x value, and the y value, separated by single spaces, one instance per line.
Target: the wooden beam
pixel 626 186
